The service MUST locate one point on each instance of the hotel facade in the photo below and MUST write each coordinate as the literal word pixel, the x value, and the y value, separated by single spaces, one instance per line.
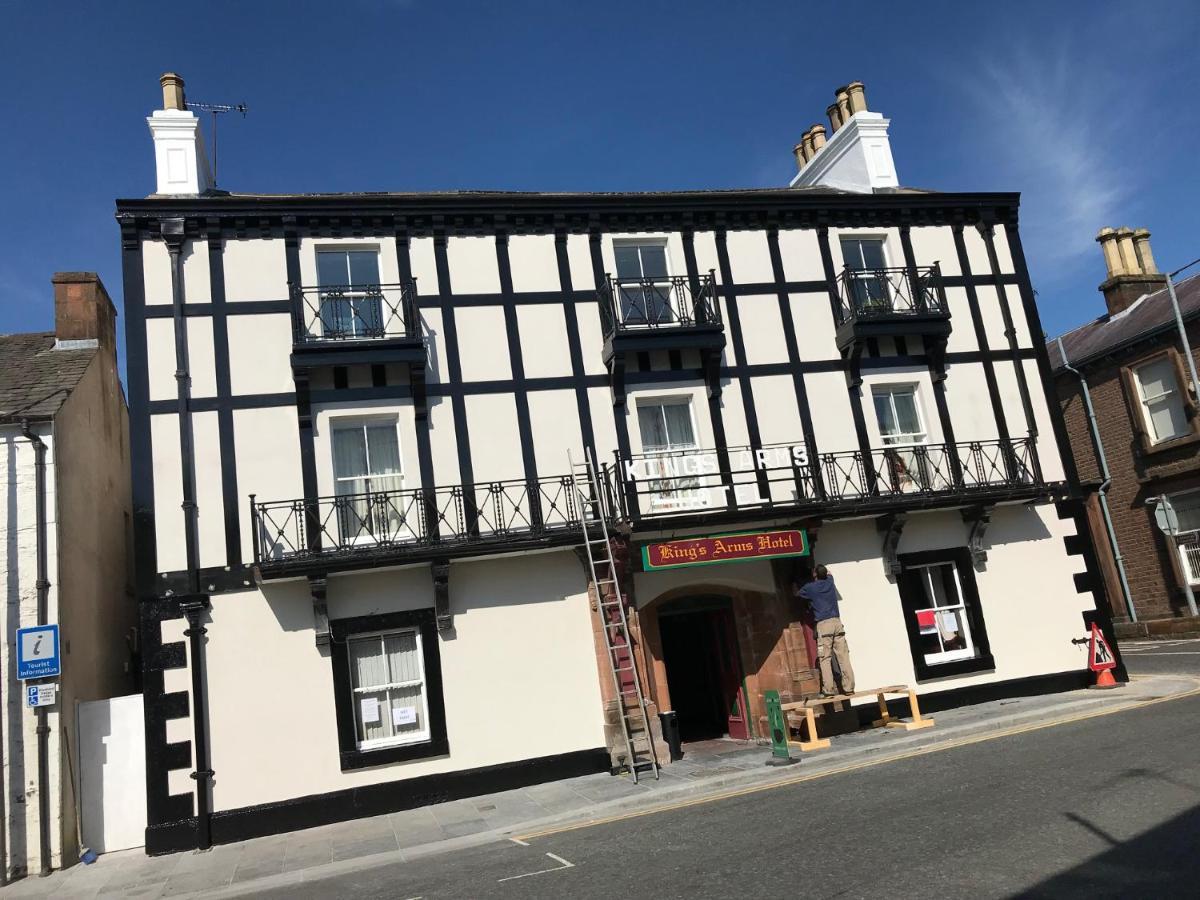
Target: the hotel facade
pixel 436 494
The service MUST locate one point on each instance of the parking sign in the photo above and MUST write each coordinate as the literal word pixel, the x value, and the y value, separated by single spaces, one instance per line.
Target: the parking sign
pixel 37 652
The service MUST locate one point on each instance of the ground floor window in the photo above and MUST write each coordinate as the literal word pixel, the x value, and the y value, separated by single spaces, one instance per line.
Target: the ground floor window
pixel 388 683
pixel 942 614
pixel 1187 508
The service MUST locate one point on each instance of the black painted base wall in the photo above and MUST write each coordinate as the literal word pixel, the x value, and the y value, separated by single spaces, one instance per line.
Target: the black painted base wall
pixel 374 800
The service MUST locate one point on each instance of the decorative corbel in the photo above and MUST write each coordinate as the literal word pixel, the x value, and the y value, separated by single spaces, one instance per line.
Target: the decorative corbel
pixel 317 586
pixel 441 594
pixel 977 518
pixel 710 362
pixel 854 365
pixel 936 350
pixel 890 527
pixel 416 376
pixel 616 377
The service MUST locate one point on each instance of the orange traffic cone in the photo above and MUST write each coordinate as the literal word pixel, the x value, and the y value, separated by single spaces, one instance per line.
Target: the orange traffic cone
pixel 1104 679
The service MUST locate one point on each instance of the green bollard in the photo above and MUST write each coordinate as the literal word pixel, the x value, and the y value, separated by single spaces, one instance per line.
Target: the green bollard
pixel 777 723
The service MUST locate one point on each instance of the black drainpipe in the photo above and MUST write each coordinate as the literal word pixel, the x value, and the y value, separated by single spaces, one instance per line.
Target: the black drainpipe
pixel 194 603
pixel 43 594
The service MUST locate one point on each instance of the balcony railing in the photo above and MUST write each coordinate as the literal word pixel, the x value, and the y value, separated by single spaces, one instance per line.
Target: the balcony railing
pixel 361 312
pixel 391 525
pixel 873 295
pixel 639 304
pixel 784 476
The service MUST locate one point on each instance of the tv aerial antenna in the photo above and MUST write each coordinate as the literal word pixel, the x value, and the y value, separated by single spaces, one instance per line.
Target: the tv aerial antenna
pixel 216 109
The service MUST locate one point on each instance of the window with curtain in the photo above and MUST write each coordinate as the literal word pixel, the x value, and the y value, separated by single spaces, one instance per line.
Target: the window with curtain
pixel 366 466
pixel 668 437
pixel 943 615
pixel 1161 400
pixel 865 259
pixel 387 676
pixel 351 305
pixel 644 283
pixel 898 414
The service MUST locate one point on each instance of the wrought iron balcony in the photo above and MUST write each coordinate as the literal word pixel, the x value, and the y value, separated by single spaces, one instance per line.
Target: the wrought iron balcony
pixel 874 303
pixel 784 478
pixel 345 313
pixel 347 531
pixel 668 313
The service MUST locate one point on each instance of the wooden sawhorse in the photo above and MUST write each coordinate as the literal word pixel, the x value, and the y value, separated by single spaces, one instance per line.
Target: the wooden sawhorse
pixel 885 720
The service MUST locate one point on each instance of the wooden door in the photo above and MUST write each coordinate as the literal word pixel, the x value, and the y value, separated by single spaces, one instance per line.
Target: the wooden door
pixel 729 668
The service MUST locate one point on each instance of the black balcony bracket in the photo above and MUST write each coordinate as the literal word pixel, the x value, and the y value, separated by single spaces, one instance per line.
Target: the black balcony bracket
pixel 890 528
pixel 616 379
pixel 710 364
pixel 440 570
pixel 977 518
pixel 935 349
pixel 853 356
pixel 317 587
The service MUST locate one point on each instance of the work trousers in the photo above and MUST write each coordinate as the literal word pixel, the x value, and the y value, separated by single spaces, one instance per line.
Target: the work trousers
pixel 831 642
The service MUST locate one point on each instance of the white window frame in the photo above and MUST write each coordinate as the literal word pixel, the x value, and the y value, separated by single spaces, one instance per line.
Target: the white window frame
pixel 945 656
pixel 1145 401
pixel 1185 541
pixel 683 494
pixel 349 295
pixel 644 241
pixel 891 388
pixel 881 237
pixel 346 423
pixel 416 737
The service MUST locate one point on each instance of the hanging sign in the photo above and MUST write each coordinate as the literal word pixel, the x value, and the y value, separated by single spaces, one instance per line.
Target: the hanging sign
pixel 37 652
pixel 724 548
pixel 1100 655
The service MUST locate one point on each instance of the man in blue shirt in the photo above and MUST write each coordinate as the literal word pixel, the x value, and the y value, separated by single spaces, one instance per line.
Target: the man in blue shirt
pixel 822 597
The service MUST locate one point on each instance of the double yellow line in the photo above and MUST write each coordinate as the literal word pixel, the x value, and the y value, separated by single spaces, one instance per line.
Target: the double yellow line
pixel 854 767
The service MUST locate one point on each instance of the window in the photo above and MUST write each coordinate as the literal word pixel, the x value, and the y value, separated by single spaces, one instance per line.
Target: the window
pixel 668 435
pixel 865 259
pixel 644 283
pixel 366 465
pixel 351 305
pixel 904 464
pixel 1161 402
pixel 387 675
pixel 1187 508
pixel 942 614
pixel 387 680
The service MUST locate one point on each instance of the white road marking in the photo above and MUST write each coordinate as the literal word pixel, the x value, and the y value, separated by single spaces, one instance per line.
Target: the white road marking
pixel 558 859
pixel 519 841
pixel 1173 653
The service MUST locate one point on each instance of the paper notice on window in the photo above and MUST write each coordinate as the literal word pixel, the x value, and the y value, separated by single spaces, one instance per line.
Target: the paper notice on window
pixel 404 715
pixel 948 623
pixel 369 710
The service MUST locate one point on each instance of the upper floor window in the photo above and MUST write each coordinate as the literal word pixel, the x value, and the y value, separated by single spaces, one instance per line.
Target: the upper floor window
pixel 366 465
pixel 351 305
pixel 899 414
pixel 1160 399
pixel 865 259
pixel 668 433
pixel 644 283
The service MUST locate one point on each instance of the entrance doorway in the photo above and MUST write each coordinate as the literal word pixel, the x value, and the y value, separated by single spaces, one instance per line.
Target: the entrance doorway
pixel 704 671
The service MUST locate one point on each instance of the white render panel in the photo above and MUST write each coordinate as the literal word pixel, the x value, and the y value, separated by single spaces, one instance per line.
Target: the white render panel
pixel 993 317
pixel 259 349
pixel 202 365
pixel 210 505
pixel 554 420
pixel 160 359
pixel 591 338
pixel 815 330
pixel 977 254
pixel 435 341
pixel 545 351
pixel 534 262
pixel 197 287
pixel 1010 395
pixel 327 417
pixel 1003 251
pixel 833 418
pixel 778 413
pixel 705 245
pixel 969 403
pixel 579 255
pixel 1048 454
pixel 962 326
pixel 443 445
pixel 749 257
pixel 733 413
pixel 483 343
pixel 541 612
pixel 495 438
pixel 762 329
pixel 604 423
pixel 156 273
pixel 423 264
pixel 935 245
pixel 801 254
pixel 473 266
pixel 168 493
pixel 255 269
pixel 267 449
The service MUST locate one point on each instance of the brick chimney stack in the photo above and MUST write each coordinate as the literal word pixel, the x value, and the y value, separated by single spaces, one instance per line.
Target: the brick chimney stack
pixel 84 316
pixel 1130 266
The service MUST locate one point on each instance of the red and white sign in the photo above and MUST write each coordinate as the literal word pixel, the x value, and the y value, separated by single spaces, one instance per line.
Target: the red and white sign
pixel 1100 655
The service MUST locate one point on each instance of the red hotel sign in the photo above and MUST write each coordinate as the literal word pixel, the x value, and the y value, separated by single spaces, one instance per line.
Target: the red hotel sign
pixel 724 548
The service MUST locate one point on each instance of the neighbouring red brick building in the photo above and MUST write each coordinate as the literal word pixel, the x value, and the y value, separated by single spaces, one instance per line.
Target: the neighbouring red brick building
pixel 1149 427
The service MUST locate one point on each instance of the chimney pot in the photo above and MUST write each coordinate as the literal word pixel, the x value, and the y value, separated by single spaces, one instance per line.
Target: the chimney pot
pixel 835 117
pixel 809 150
pixel 83 310
pixel 172 88
pixel 1141 244
pixel 818 138
pixel 842 99
pixel 798 152
pixel 857 95
pixel 1107 238
pixel 1129 258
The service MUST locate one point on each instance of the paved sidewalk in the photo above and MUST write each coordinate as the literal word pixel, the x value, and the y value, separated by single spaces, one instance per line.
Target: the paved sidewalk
pixel 708 770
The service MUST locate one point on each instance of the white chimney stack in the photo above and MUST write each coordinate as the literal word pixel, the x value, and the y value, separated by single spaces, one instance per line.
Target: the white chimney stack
pixel 179 156
pixel 858 155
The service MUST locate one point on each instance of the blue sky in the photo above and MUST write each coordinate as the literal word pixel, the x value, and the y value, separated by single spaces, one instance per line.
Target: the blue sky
pixel 1089 110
